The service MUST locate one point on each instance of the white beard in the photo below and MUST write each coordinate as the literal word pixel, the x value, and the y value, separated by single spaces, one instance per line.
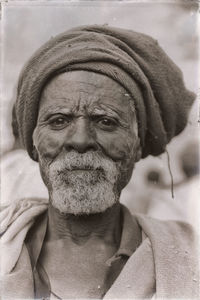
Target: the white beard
pixel 83 183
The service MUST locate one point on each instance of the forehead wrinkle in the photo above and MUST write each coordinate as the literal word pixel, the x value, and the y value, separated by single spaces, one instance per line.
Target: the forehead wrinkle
pixel 96 85
pixel 94 107
pixel 57 89
pixel 59 85
pixel 102 111
pixel 53 109
pixel 115 110
pixel 83 98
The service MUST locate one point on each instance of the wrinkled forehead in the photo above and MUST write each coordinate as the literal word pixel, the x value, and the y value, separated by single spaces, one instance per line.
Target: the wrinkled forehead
pixel 90 81
pixel 85 89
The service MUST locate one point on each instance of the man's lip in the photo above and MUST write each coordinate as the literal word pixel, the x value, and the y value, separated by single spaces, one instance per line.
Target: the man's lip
pixel 78 169
pixel 84 169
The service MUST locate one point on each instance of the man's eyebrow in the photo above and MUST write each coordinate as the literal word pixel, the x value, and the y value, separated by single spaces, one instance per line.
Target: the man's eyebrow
pixel 97 111
pixel 53 110
pixel 109 111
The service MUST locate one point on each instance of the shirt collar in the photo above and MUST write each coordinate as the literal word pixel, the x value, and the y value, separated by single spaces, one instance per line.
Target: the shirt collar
pixel 131 233
pixel 35 238
pixel 131 236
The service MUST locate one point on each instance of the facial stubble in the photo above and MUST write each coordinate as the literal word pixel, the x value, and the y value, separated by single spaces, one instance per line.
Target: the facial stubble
pixel 82 183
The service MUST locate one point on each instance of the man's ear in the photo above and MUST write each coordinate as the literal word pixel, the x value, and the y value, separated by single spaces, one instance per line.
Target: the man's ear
pixel 35 154
pixel 34 151
pixel 138 150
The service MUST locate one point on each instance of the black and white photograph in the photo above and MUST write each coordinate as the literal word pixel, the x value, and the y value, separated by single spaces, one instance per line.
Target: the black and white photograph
pixel 99 152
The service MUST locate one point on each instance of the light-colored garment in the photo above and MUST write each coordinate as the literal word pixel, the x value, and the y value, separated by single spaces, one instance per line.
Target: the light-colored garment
pixel 16 219
pixel 167 253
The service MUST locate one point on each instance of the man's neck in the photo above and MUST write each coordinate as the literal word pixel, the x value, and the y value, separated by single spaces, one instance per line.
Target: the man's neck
pixel 79 229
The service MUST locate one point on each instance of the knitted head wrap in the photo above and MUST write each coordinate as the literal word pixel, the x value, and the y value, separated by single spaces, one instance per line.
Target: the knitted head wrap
pixel 132 59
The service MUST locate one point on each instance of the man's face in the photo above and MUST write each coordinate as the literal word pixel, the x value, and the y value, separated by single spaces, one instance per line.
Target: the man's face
pixel 87 142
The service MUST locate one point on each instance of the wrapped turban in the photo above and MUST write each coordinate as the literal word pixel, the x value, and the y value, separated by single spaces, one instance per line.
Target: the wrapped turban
pixel 132 59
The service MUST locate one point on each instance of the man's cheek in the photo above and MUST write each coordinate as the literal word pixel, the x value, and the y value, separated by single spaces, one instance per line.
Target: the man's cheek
pixel 122 150
pixel 47 146
pixel 118 148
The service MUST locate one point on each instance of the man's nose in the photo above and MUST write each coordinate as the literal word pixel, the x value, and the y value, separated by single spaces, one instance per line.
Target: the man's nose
pixel 81 137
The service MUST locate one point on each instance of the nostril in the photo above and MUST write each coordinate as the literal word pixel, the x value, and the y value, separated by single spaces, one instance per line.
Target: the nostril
pixel 92 148
pixel 82 138
pixel 69 147
pixel 81 145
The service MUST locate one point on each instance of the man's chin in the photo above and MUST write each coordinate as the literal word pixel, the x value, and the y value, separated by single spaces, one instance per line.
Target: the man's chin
pixel 81 211
pixel 77 204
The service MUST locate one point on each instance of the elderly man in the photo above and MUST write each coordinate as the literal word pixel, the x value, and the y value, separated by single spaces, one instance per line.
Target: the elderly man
pixel 91 102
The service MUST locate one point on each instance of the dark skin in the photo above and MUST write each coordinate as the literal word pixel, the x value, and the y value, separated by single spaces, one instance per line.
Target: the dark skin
pixel 84 111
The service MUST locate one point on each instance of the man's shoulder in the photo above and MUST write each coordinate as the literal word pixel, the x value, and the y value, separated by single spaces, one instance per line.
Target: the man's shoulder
pixel 174 246
pixel 16 220
pixel 18 214
pixel 168 223
pixel 173 234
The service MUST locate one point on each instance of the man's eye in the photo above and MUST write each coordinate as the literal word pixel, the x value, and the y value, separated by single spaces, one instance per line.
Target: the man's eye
pixel 59 122
pixel 107 123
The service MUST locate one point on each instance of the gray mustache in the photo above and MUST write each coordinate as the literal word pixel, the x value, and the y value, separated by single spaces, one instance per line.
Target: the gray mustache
pixel 83 161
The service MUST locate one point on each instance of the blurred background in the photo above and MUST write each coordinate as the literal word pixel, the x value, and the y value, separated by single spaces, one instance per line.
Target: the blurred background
pixel 25 25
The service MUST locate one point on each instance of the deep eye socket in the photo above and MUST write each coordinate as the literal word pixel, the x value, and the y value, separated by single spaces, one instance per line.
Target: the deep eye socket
pixel 59 121
pixel 107 123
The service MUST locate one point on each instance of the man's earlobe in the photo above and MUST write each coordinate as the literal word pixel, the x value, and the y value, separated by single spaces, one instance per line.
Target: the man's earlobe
pixel 35 154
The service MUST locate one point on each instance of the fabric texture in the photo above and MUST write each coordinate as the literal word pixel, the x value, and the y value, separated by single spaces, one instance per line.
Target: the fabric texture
pixel 133 59
pixel 15 220
pixel 167 258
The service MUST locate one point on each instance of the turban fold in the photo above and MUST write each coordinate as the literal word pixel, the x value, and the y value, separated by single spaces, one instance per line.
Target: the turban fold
pixel 132 59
